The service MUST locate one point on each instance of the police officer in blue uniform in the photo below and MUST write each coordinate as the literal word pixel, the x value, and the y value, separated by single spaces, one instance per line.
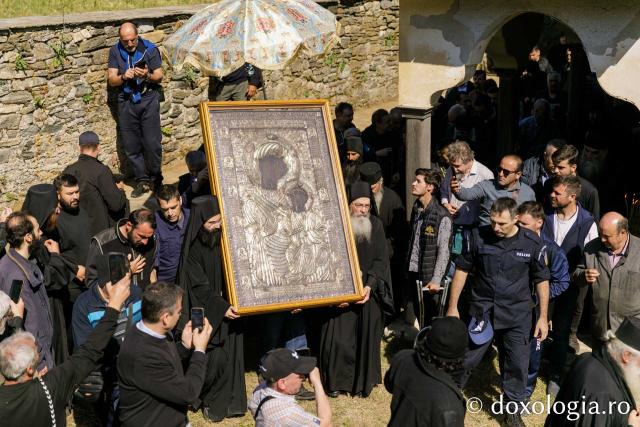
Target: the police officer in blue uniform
pixel 506 260
pixel 135 66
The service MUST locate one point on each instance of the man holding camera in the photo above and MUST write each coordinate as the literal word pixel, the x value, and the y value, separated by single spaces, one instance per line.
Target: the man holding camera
pixel 154 388
pixel 135 66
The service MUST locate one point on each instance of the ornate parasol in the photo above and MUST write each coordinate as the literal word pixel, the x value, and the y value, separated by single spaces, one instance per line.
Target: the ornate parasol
pixel 266 33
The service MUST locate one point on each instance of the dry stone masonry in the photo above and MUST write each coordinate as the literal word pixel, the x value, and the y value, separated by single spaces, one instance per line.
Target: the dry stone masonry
pixel 53 84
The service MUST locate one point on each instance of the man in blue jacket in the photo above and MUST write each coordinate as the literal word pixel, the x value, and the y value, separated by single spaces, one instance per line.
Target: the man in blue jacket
pixel 101 386
pixel 531 216
pixel 571 227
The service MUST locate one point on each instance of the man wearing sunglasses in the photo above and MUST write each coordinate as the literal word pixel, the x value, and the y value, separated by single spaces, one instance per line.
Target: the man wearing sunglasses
pixel 506 184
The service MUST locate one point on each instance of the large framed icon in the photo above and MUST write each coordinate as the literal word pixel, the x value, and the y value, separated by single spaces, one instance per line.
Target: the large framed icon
pixel 286 234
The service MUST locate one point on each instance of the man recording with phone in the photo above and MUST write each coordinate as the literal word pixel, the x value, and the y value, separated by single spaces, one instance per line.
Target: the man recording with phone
pixel 101 386
pixel 25 237
pixel 135 67
pixel 155 390
pixel 35 398
pixel 201 276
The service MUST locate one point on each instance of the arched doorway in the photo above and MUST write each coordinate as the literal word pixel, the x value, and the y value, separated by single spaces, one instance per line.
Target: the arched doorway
pixel 580 107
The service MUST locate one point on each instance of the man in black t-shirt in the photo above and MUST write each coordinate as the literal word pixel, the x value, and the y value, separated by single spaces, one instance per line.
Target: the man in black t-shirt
pixel 135 67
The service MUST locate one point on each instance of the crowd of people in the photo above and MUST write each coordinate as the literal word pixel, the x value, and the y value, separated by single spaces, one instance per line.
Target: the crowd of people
pixel 510 256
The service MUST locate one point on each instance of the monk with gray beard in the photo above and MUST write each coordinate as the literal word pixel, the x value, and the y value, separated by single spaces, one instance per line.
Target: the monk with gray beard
pixel 606 383
pixel 349 353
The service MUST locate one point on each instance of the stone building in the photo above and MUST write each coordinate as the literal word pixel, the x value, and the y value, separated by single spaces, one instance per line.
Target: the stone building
pixel 442 41
pixel 53 83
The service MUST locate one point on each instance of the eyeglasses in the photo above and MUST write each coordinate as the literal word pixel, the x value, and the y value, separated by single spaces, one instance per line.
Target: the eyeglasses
pixel 362 206
pixel 505 172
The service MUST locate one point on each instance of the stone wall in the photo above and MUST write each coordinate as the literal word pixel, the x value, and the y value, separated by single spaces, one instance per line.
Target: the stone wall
pixel 53 84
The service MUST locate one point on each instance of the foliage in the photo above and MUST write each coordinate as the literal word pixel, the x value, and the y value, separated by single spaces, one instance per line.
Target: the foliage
pixel 21 64
pixel 390 39
pixel 12 9
pixel 190 76
pixel 330 59
pixel 166 130
pixel 60 55
pixel 343 63
pixel 38 101
pixel 87 98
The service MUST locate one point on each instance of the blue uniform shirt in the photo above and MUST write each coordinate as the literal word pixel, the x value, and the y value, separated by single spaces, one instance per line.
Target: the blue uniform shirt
pixel 558 265
pixel 504 270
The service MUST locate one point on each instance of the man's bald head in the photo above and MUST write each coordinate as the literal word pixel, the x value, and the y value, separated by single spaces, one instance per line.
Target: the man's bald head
pixel 128 28
pixel 514 160
pixel 129 36
pixel 614 221
pixel 614 230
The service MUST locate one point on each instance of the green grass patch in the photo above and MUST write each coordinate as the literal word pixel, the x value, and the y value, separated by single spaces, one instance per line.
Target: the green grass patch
pixel 13 9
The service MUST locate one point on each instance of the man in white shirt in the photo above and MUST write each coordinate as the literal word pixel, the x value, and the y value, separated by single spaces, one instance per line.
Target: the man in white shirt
pixel 571 227
pixel 468 172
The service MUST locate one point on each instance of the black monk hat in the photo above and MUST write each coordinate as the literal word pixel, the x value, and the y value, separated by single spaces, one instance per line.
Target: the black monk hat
pixel 281 362
pixel 370 172
pixel 446 338
pixel 354 143
pixel 40 201
pixel 359 189
pixel 629 332
pixel 88 138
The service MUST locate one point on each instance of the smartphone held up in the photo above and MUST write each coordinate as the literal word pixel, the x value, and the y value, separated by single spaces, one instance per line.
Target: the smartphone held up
pixel 197 318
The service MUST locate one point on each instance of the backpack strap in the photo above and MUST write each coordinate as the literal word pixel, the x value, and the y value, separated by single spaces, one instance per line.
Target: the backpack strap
pixel 262 402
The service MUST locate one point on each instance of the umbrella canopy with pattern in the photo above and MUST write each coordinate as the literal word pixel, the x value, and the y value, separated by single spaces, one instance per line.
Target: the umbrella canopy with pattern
pixel 266 33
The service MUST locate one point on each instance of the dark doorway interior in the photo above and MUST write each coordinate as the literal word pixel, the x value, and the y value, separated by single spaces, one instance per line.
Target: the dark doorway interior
pixel 496 113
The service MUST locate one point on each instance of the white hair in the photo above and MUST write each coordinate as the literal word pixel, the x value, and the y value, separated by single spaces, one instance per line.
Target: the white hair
pixel 16 355
pixel 5 310
pixel 615 347
pixel 631 368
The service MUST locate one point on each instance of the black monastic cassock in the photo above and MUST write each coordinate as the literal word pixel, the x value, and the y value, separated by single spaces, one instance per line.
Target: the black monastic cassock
pixel 74 238
pixel 596 380
pixel 201 276
pixel 349 353
pixel 396 228
pixel 58 272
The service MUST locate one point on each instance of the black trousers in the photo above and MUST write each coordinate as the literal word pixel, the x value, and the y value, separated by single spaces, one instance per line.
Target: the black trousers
pixel 141 136
pixel 563 313
pixel 513 353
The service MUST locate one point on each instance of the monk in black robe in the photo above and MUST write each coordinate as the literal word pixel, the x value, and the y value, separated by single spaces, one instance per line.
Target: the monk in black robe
pixel 349 353
pixel 388 206
pixel 201 275
pixel 609 374
pixel 72 226
pixel 41 202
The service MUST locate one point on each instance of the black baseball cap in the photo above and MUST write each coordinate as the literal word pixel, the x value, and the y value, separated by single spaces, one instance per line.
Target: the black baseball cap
pixel 281 362
pixel 88 138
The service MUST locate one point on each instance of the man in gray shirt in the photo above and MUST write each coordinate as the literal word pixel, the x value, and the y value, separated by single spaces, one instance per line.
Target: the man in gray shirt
pixel 507 184
pixel 428 251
